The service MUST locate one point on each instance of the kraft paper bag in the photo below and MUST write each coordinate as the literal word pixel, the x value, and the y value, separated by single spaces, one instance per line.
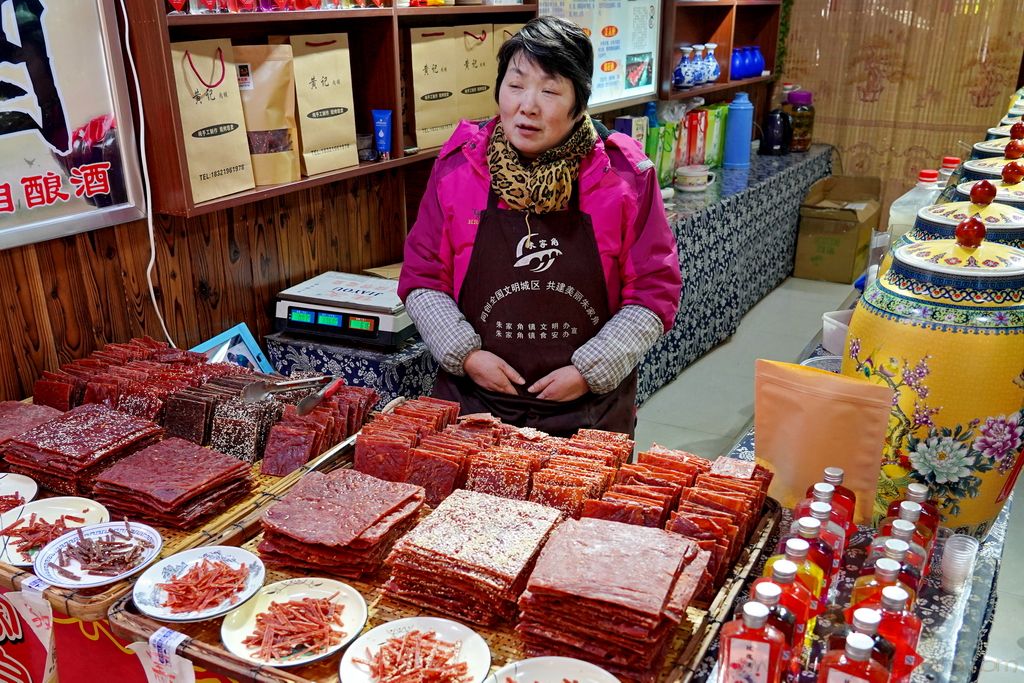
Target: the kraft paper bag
pixel 476 72
pixel 212 121
pixel 323 93
pixel 502 32
pixel 806 419
pixel 434 59
pixel 267 86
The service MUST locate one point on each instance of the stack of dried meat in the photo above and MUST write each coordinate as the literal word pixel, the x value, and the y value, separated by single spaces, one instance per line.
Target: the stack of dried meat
pixel 342 523
pixel 16 418
pixel 240 429
pixel 471 556
pixel 67 453
pixel 611 594
pixel 173 483
pixel 297 438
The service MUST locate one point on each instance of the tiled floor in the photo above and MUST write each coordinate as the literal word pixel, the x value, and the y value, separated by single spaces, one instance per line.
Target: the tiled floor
pixel 711 404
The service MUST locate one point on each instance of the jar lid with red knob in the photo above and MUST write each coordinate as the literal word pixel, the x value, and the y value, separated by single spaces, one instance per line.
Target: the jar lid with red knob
pixel 969 255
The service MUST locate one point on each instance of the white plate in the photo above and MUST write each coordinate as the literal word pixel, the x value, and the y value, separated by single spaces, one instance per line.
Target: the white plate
pixel 49 510
pixel 551 670
pixel 471 647
pixel 11 483
pixel 150 599
pixel 96 531
pixel 241 623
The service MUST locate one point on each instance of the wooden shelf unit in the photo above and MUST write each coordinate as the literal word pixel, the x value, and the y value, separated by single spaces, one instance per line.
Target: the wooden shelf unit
pixel 728 24
pixel 374 42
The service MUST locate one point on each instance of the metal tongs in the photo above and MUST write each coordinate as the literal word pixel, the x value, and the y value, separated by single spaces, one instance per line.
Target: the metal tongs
pixel 309 403
pixel 261 390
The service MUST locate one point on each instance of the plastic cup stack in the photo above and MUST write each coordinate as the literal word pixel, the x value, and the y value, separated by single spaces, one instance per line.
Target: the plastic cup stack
pixel 958 561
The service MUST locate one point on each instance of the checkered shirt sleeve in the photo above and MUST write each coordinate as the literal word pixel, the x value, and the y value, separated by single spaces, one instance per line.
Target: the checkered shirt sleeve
pixel 615 350
pixel 443 327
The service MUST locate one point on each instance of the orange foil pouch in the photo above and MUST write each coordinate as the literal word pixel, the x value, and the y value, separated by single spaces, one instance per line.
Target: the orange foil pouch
pixel 807 419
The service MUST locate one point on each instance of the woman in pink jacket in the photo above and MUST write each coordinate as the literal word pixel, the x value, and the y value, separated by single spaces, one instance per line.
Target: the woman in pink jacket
pixel 541 266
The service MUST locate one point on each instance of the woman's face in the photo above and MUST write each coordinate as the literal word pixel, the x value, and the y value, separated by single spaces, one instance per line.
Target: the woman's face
pixel 535 107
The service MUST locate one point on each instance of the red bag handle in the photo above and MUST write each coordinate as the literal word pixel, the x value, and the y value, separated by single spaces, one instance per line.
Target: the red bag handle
pixel 432 35
pixel 320 44
pixel 223 70
pixel 482 37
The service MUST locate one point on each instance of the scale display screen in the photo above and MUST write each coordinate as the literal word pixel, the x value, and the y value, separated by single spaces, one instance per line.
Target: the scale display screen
pixel 329 319
pixel 363 324
pixel 301 315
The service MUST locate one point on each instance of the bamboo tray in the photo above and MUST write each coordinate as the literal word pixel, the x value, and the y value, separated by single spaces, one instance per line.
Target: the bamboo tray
pixel 93 605
pixel 203 646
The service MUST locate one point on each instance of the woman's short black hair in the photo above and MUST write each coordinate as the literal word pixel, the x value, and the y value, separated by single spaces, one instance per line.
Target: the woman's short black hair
pixel 557 46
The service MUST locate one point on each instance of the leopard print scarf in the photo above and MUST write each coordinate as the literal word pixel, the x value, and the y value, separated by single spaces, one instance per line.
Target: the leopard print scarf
pixel 544 184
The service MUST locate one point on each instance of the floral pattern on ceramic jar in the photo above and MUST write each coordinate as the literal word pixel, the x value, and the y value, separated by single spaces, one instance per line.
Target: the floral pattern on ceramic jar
pixel 944 329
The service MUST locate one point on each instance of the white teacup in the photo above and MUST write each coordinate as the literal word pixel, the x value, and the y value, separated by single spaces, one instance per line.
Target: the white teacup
pixel 694 178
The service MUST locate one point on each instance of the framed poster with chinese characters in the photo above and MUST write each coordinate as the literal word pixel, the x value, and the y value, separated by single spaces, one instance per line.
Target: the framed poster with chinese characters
pixel 625 35
pixel 68 160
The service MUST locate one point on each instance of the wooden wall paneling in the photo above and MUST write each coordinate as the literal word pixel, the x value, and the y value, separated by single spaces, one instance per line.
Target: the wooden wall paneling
pixel 60 273
pixel 103 285
pixel 174 261
pixel 133 253
pixel 30 343
pixel 270 268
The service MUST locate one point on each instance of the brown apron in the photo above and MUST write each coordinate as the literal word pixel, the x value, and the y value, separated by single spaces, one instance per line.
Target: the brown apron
pixel 535 292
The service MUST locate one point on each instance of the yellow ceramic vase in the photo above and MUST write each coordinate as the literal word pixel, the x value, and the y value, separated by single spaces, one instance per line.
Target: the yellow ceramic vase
pixel 944 328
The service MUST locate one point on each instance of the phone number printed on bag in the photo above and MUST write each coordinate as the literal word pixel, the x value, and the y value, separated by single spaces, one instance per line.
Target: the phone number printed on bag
pixel 222 172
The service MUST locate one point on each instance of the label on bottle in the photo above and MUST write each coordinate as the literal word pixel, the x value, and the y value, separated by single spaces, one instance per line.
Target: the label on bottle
pixel 843 677
pixel 749 662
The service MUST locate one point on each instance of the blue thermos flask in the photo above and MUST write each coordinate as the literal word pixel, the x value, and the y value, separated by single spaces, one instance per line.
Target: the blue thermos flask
pixel 739 128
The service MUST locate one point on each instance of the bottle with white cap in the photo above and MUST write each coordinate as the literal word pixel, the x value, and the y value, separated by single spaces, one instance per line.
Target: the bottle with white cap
pixel 796 597
pixel 852 664
pixel 841 496
pixel 903 531
pixel 865 620
pixel 899 550
pixel 820 552
pixel 868 588
pixel 809 573
pixel 750 648
pixel 831 533
pixel 910 511
pixel 825 493
pixel 918 493
pixel 902 628
pixel 769 594
pixel 903 211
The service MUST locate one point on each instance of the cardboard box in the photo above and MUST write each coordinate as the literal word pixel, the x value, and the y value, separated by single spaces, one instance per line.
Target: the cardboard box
pixel 633 126
pixel 837 218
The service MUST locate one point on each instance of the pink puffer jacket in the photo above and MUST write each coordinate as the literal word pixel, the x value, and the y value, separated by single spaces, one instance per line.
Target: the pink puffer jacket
pixel 618 190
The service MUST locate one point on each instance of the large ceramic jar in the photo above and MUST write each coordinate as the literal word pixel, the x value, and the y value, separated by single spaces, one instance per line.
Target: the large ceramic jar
pixel 989 148
pixel 985 169
pixel 1010 195
pixel 998 132
pixel 944 329
pixel 1003 224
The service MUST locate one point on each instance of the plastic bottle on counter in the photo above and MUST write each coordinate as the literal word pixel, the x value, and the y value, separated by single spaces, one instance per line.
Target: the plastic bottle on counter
pixel 898 550
pixel 802 112
pixel 910 511
pixel 819 551
pixel 831 533
pixel 807 572
pixel 749 647
pixel 865 620
pixel 796 597
pixel 902 530
pixel 769 594
pixel 868 588
pixel 853 663
pixel 946 170
pixel 903 211
pixel 739 129
pixel 903 629
pixel 918 493
pixel 825 493
pixel 841 497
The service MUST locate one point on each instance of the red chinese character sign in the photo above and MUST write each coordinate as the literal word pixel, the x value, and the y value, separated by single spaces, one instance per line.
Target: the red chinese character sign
pixel 68 158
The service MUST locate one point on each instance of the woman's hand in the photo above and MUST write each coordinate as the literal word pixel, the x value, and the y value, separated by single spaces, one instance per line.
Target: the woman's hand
pixel 564 384
pixel 490 372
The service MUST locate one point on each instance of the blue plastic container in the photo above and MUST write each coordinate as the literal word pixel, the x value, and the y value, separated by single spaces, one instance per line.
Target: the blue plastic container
pixel 739 128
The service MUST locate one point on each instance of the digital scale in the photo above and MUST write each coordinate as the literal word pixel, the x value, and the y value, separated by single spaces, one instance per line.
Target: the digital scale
pixel 346 307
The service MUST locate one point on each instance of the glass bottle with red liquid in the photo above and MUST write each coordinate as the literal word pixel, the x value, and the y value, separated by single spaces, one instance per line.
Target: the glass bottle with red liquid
pixel 832 533
pixel 904 531
pixel 825 493
pixel 865 620
pixel 769 594
pixel 796 597
pixel 898 550
pixel 910 511
pixel 930 515
pixel 901 627
pixel 750 649
pixel 852 664
pixel 842 496
pixel 808 572
pixel 820 552
pixel 868 588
